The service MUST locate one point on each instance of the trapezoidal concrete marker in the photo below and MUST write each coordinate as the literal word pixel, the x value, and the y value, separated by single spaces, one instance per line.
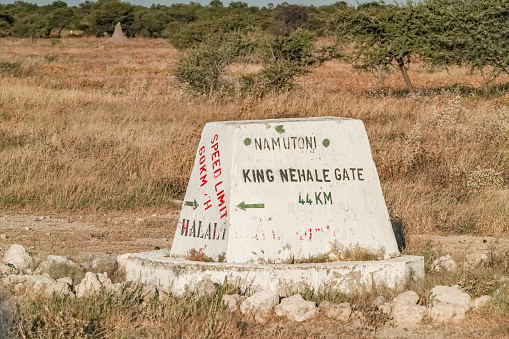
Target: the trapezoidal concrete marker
pixel 271 192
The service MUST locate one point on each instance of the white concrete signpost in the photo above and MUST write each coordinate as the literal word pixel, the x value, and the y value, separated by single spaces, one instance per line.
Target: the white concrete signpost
pixel 273 191
pixel 265 193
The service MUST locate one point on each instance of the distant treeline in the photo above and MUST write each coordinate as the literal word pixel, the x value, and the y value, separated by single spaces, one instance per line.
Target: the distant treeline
pixel 23 19
pixel 372 36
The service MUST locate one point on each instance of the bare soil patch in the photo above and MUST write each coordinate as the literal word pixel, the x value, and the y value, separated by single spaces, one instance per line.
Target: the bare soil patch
pixel 78 235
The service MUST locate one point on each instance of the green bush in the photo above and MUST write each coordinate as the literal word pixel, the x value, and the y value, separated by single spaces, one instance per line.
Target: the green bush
pixel 277 76
pixel 202 67
pixel 284 57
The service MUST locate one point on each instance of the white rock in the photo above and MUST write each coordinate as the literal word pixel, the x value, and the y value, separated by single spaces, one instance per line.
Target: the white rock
pixel 295 308
pixel 407 314
pixel 92 284
pixel 101 265
pixel 336 311
pixel 445 312
pixel 404 310
pixel 60 287
pixel 122 261
pixel 67 280
pixel 103 278
pixel 480 302
pixel 444 263
pixel 451 295
pixel 231 301
pixel 203 287
pixel 14 279
pixel 408 297
pixel 40 282
pixel 57 265
pixel 260 304
pixel 18 257
pixel 448 303
pixel 473 260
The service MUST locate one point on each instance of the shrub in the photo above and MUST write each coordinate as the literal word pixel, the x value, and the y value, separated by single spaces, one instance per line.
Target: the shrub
pixel 275 77
pixel 202 67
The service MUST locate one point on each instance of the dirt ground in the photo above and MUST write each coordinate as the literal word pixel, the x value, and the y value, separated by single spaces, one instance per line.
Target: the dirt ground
pixel 79 235
pixel 75 235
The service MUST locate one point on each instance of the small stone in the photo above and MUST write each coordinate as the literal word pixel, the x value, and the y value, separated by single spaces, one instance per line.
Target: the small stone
pixel 203 287
pixel 473 260
pixel 27 228
pixel 336 311
pixel 60 267
pixel 101 265
pixel 92 284
pixel 295 308
pixel 3 237
pixel 451 295
pixel 448 303
pixel 404 310
pixel 17 256
pixel 67 280
pixel 444 263
pixel 60 287
pixel 408 297
pixel 40 283
pixel 231 301
pixel 481 301
pixel 260 304
pixel 405 314
pixel 445 312
pixel 14 279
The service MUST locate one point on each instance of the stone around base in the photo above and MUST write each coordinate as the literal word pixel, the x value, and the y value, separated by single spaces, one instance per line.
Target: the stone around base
pixel 176 275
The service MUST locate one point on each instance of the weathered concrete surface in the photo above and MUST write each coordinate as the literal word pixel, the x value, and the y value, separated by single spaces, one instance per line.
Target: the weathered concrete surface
pixel 266 191
pixel 157 268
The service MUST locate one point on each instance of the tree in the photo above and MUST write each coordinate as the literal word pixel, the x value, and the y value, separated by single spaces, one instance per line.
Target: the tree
pixel 469 32
pixel 150 22
pixel 384 36
pixel 62 17
pixel 293 16
pixel 106 13
pixel 6 22
pixel 32 25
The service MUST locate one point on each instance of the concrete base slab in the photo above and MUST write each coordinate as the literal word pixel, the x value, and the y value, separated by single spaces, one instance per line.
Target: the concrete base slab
pixel 177 275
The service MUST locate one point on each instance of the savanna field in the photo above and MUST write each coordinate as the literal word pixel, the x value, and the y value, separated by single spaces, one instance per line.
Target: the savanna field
pixel 97 128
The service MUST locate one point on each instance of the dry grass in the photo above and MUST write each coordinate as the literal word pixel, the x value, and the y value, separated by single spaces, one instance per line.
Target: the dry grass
pixel 91 126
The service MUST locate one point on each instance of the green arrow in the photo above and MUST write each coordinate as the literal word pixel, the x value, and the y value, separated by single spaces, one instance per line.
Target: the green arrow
pixel 243 206
pixel 279 129
pixel 194 204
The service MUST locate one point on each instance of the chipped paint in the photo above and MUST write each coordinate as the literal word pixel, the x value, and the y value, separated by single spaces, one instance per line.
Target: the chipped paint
pixel 167 273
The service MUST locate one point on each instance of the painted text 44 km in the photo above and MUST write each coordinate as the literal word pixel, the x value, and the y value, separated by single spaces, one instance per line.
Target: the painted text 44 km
pixel 318 198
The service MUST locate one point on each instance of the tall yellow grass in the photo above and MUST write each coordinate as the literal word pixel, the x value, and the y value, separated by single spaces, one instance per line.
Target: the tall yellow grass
pixel 87 125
